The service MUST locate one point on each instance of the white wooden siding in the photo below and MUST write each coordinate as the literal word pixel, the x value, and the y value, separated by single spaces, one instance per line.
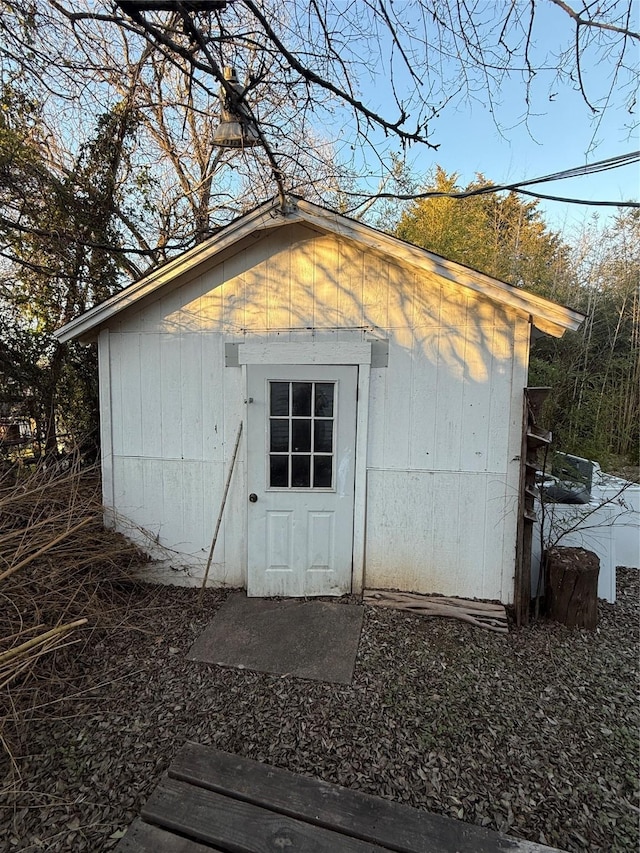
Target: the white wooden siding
pixel 444 416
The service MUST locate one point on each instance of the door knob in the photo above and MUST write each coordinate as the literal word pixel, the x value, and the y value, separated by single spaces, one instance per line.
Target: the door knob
pixel 253 497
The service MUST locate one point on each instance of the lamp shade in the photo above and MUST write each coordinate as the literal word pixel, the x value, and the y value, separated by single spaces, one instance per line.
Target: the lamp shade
pixel 237 129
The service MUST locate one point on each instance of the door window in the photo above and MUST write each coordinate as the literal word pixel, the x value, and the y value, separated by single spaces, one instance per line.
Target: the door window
pixel 300 435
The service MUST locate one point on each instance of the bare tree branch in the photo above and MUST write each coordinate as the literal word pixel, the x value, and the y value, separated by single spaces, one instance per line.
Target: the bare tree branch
pixel 592 23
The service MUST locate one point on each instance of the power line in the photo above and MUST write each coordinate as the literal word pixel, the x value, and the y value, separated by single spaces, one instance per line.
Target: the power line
pixel 579 200
pixel 576 172
pixel 587 169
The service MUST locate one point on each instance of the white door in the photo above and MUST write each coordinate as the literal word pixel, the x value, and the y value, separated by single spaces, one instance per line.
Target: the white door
pixel 301 426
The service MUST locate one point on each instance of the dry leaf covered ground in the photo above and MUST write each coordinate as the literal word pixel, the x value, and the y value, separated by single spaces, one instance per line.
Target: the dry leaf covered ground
pixel 535 733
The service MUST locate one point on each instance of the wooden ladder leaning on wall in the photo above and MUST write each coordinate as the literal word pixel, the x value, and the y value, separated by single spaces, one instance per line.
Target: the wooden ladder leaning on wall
pixel 533 438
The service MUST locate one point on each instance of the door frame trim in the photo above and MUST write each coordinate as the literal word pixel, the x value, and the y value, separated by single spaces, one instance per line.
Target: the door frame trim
pixel 351 355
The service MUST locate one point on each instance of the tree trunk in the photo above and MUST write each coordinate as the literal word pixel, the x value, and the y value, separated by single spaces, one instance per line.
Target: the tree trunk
pixel 572 587
pixel 49 395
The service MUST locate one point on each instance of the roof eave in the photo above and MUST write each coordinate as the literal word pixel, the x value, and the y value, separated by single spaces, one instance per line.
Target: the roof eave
pixel 85 327
pixel 545 315
pixel 548 316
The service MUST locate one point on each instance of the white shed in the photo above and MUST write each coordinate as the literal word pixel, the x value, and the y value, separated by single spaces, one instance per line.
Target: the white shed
pixel 381 391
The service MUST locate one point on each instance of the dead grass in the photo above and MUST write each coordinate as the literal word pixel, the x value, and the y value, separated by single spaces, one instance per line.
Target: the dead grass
pixel 60 570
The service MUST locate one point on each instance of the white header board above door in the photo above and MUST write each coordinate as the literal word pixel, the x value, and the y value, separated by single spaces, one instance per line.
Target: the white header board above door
pixel 304 353
pixel 375 353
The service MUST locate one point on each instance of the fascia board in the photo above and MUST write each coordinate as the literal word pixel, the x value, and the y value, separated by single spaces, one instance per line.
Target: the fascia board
pixel 257 222
pixel 548 316
pixel 547 313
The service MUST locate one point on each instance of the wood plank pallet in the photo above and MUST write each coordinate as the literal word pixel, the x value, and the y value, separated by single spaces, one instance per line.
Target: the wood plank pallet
pixel 213 801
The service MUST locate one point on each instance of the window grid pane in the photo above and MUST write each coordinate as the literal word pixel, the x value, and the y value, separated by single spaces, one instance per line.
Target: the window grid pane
pixel 300 437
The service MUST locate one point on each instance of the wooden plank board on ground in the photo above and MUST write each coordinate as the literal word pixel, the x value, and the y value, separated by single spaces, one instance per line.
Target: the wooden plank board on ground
pixel 144 838
pixel 361 816
pixel 234 824
pixel 482 614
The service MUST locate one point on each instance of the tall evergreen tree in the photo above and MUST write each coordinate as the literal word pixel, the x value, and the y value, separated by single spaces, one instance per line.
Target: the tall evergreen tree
pixel 496 233
pixel 594 373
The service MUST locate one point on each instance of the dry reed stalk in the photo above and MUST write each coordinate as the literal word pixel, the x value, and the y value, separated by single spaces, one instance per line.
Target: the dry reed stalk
pixel 46 547
pixel 42 638
pixel 60 571
pixel 21 633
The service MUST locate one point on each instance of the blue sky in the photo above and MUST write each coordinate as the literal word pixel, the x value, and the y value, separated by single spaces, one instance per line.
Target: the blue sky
pixel 560 139
pixel 564 137
pixel 560 133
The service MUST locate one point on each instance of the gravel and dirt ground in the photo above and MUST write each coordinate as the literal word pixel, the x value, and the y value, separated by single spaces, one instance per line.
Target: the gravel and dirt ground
pixel 534 733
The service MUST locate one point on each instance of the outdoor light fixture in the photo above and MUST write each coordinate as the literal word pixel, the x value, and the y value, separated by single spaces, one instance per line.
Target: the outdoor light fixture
pixel 236 129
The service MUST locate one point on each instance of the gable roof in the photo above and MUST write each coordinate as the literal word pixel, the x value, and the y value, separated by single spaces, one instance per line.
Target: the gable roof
pixel 546 315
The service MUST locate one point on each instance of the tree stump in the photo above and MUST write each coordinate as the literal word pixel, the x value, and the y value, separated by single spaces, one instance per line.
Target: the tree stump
pixel 572 587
